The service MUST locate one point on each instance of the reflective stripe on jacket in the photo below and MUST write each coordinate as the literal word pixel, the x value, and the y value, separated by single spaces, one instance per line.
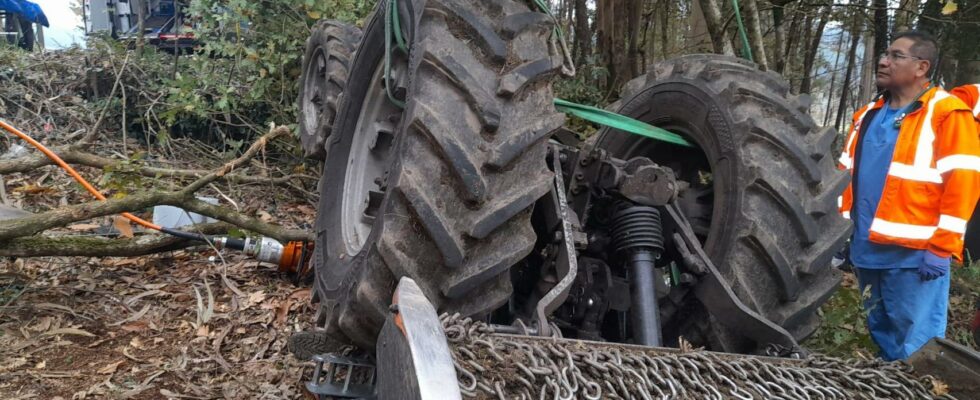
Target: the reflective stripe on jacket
pixel 933 181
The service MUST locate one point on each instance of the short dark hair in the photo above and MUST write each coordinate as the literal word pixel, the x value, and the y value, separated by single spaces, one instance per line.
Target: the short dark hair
pixel 924 46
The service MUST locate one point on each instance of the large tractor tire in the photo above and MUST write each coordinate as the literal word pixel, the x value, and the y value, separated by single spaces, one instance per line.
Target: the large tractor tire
pixel 764 186
pixel 326 63
pixel 441 190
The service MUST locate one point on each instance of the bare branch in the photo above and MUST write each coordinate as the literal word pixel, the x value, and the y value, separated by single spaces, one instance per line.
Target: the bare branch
pixel 93 246
pixel 73 155
pixel 258 145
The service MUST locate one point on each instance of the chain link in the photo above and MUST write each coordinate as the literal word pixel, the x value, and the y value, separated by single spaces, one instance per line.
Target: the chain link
pixel 492 366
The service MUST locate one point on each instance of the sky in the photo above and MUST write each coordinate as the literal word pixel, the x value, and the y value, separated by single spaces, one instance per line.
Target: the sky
pixel 66 26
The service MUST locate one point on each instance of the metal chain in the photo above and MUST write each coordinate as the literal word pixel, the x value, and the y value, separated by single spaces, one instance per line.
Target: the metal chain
pixel 513 367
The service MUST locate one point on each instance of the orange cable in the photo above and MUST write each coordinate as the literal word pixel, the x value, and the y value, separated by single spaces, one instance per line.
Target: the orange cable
pixel 71 171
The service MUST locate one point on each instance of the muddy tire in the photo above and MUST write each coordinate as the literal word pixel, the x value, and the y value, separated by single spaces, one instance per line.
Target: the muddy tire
pixel 326 61
pixel 306 344
pixel 768 217
pixel 466 162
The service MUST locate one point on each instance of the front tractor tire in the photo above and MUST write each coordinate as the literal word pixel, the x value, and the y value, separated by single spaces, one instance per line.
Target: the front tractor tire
pixel 326 64
pixel 439 191
pixel 764 187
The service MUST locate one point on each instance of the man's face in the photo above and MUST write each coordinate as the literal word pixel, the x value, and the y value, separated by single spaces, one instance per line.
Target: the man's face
pixel 898 67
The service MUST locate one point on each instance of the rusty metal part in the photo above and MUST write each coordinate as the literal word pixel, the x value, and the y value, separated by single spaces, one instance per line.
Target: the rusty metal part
pixel 717 296
pixel 567 262
pixel 648 184
pixel 956 365
pixel 496 366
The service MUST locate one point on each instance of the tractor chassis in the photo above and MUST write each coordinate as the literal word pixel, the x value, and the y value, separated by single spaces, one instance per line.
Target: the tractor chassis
pixel 413 354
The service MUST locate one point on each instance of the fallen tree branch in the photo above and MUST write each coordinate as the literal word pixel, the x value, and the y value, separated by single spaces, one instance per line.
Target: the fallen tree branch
pixel 74 155
pixel 281 234
pixel 36 223
pixel 259 144
pixel 94 246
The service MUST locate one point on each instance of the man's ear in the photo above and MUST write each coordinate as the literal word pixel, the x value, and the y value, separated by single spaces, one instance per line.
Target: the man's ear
pixel 923 68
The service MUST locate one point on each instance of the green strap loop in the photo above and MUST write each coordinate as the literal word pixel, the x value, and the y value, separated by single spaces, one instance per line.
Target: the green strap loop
pixel 395 20
pixel 392 19
pixel 589 113
pixel 746 50
pixel 620 122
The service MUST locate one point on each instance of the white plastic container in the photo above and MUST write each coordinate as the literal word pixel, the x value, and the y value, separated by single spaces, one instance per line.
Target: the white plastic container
pixel 176 217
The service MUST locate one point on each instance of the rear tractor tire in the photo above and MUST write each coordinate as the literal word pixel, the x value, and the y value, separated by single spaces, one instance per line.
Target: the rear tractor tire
pixel 439 191
pixel 764 186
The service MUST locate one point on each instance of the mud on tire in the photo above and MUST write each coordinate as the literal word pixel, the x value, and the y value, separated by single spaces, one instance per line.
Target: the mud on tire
pixel 326 61
pixel 772 225
pixel 468 161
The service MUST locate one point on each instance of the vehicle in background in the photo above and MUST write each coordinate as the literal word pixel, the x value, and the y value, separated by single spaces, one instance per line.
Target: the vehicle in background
pixel 164 25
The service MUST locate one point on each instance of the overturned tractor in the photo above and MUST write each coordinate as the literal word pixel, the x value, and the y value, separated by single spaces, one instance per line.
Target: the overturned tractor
pixel 444 171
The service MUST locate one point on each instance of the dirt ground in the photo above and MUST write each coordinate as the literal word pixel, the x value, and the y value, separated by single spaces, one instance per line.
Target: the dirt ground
pixel 181 324
pixel 165 326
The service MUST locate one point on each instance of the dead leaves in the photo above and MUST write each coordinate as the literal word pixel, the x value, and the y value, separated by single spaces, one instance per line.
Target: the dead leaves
pixel 253 298
pixel 300 296
pixel 939 388
pixel 123 226
pixel 110 369
pixel 68 331
pixel 142 313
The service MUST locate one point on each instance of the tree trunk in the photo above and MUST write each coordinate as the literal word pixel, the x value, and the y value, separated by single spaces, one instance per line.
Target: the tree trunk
pixel 665 47
pixel 140 27
pixel 752 25
pixel 811 52
pixel 711 14
pixel 868 67
pixel 931 20
pixel 833 79
pixel 777 24
pixel 613 33
pixel 583 35
pixel 881 25
pixel 846 85
pixel 634 10
pixel 792 39
pixel 905 15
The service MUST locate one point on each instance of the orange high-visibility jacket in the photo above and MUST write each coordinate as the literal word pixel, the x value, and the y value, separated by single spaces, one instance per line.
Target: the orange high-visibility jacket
pixel 933 181
pixel 970 94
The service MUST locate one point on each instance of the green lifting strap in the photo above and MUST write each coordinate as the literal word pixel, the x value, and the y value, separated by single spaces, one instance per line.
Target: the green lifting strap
pixel 588 113
pixel 746 49
pixel 620 122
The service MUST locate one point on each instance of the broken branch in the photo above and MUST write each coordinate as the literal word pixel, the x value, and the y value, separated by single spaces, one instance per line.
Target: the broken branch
pixel 94 246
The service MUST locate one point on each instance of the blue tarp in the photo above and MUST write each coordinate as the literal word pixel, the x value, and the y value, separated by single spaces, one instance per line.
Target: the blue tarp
pixel 28 9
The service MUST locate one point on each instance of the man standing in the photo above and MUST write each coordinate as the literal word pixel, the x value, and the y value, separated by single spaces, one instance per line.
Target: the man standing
pixel 914 157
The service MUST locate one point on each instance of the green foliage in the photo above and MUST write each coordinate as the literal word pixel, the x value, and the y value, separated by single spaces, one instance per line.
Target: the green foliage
pixel 243 76
pixel 844 331
pixel 582 89
pixel 123 175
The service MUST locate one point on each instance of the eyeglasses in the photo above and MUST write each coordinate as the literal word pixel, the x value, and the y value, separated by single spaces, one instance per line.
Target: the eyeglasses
pixel 895 56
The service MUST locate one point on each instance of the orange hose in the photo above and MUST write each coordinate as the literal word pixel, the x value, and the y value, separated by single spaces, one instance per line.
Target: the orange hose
pixel 71 171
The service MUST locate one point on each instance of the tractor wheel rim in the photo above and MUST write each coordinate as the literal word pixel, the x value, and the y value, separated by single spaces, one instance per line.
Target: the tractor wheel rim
pixel 370 157
pixel 313 96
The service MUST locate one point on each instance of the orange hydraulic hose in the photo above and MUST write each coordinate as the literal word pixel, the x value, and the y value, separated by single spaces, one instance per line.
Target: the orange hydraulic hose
pixel 74 174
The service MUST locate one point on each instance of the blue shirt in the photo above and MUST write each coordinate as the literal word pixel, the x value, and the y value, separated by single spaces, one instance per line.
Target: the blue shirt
pixel 877 147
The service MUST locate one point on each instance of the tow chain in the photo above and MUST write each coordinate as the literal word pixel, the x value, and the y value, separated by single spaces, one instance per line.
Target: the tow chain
pixel 491 366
